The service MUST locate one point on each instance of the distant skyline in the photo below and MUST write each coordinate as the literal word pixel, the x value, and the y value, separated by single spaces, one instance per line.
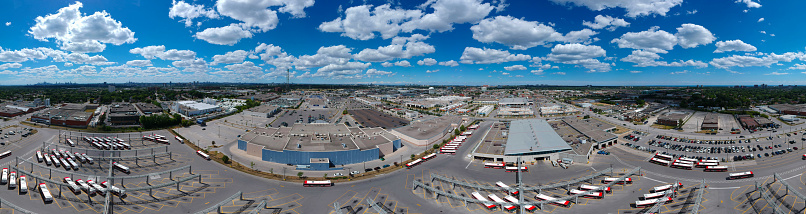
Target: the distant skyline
pixel 445 42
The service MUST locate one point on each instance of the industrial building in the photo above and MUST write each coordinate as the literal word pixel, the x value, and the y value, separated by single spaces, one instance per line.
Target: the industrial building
pixel 193 108
pixel 799 109
pixel 531 140
pixel 264 111
pixel 511 111
pixel 318 146
pixel 710 122
pixel 485 110
pixel 148 108
pixel 672 118
pixel 514 102
pixel 123 114
pixel 70 115
pixel 426 132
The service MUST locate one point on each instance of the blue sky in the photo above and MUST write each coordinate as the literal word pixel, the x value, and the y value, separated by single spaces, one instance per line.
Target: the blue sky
pixel 464 42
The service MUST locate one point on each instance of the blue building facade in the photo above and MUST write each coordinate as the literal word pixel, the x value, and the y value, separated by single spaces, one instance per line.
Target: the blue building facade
pixel 336 158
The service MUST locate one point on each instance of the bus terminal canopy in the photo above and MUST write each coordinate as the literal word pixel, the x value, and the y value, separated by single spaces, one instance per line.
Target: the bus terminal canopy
pixel 533 137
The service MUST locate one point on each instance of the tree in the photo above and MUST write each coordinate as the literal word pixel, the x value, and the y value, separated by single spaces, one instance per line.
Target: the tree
pixel 436 146
pixel 225 159
pixel 252 164
pixel 299 174
pixel 412 156
pixel 462 128
pixel 457 132
pixel 586 117
pixel 344 112
pixel 324 176
pixel 213 143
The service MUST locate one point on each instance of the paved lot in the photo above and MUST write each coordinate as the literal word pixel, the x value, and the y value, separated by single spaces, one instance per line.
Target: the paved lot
pixel 374 118
pixel 292 116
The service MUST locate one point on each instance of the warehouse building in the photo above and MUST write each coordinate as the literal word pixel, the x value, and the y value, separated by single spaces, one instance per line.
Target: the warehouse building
pixel 263 111
pixel 193 108
pixel 672 118
pixel 70 115
pixel 710 122
pixel 531 140
pixel 148 108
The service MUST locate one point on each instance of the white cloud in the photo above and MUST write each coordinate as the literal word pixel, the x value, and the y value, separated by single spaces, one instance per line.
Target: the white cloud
pixel 8 23
pixel 401 48
pixel 69 25
pixel 579 54
pixel 691 35
pixel 559 73
pixel 515 68
pixel 794 67
pixel 650 40
pixel 10 65
pixel 488 56
pixel 649 59
pixel 158 51
pixel 192 65
pixel 87 59
pixel 188 12
pixel 374 72
pixel 23 55
pixel 449 12
pixel 761 19
pixel 139 63
pixel 538 72
pixel 776 73
pixel 605 21
pixel 227 35
pixel 516 33
pixel 451 63
pixel 636 72
pixel 765 60
pixel 337 54
pixel 580 36
pixel 504 73
pixel 387 64
pixel 67 64
pixel 733 45
pixel 427 62
pixel 634 8
pixel 231 57
pixel 749 3
pixel 680 72
pixel 403 63
pixel 339 71
pixel 432 71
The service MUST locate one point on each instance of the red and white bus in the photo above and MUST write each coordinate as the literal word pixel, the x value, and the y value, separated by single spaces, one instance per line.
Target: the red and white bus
pixel 71 143
pixel 684 162
pixel 513 169
pixel 740 175
pixel 502 185
pixel 429 157
pixel 448 151
pixel 662 156
pixel 467 133
pixel 515 200
pixel 453 144
pixel 39 156
pixel 650 202
pixel 667 187
pixel 317 183
pixel 654 195
pixel 553 200
pixel 460 139
pixel 115 190
pixel 5 154
pixel 121 167
pixel 446 147
pixel 179 139
pixel 706 164
pixel 716 169
pixel 608 180
pixel 479 197
pixel 499 200
pixel 72 185
pixel 589 187
pixel 687 159
pixel 473 127
pixel 45 193
pixel 709 161
pixel 203 155
pixel 414 163
pixel 659 161
pixel 494 165
pixel 594 194
pixel 682 166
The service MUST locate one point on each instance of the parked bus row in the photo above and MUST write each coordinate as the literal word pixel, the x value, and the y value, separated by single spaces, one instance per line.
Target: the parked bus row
pixel 421 160
pixel 157 139
pixel 656 195
pixel 92 188
pixel 10 178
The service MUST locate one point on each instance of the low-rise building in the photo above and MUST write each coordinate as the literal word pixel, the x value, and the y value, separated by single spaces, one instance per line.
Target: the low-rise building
pixel 264 111
pixel 193 108
pixel 672 118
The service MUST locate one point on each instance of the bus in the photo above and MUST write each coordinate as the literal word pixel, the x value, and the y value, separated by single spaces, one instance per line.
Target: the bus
pixel 460 139
pixel 4 179
pixel 494 165
pixel 87 139
pixel 687 159
pixel 683 162
pixel 55 161
pixel 23 185
pixel 709 161
pixel 45 193
pixel 594 194
pixel 553 200
pixel 659 161
pixel 662 156
pixel 454 144
pixel 506 188
pixel 804 157
pixel 473 127
pixel 513 169
pixel 413 163
pixel 309 183
pixel 12 180
pixel 499 200
pixel 121 167
pixel 125 145
pixel 651 202
pixel 163 141
pixel 72 164
pixel 203 155
pixel 589 187
pixel 667 187
pixel 159 136
pixel 72 185
pixel 179 139
pixel 65 164
pixel 39 156
pixel 682 166
pixel 449 147
pixel 5 154
pixel 429 157
pixel 706 164
pixel 467 133
pixel 740 175
pixel 47 160
pixel 86 187
pixel 609 180
pixel 88 158
pixel 515 200
pixel 716 169
pixel 478 196
pixel 654 195
pixel 98 188
pixel 115 190
pixel 448 151
pixel 71 143
pixel 80 158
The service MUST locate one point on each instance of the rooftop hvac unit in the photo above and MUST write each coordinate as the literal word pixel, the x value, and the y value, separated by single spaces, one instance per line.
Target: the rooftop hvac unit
pixel 299 146
pixel 344 145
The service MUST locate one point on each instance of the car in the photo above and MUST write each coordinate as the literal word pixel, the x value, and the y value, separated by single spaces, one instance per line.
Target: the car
pixel 766 154
pixel 355 172
pixel 387 165
pixel 204 128
pixel 338 174
pixel 377 168
pixel 367 170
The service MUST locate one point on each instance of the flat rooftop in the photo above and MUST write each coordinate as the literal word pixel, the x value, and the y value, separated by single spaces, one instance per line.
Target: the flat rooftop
pixel 263 108
pixel 533 136
pixel 673 115
pixel 710 118
pixel 495 140
pixel 122 107
pixel 428 128
pixel 318 138
pixel 592 128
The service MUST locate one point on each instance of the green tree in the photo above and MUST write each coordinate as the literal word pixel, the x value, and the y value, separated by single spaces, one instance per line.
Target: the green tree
pixel 225 159
pixel 299 174
pixel 412 156
pixel 462 128
pixel 456 132
pixel 436 146
pixel 344 112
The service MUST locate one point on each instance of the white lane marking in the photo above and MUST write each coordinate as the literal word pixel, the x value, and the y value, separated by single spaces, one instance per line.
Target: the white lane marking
pixel 593 169
pixel 468 164
pixel 792 177
pixel 724 187
pixel 655 180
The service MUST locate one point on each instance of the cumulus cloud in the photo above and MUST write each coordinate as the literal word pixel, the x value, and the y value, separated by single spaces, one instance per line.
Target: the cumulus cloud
pixel 761 19
pixel 432 71
pixel 337 54
pixel 341 70
pixel 733 45
pixel 634 8
pixel 749 3
pixel 10 65
pixel 374 72
pixel 579 54
pixel 559 73
pixel 649 59
pixel 680 72
pixel 81 58
pixel 231 57
pixel 188 12
pixel 254 16
pixel 654 40
pixel 538 72
pixel 451 63
pixel 79 33
pixel 520 34
pixel 403 63
pixel 158 51
pixel 692 35
pixel 8 23
pixel 636 72
pixel 489 56
pixel 139 63
pixel 776 73
pixel 515 68
pixel 427 62
pixel 24 54
pixel 608 22
pixel 800 66
pixel 227 35
pixel 764 60
pixel 401 48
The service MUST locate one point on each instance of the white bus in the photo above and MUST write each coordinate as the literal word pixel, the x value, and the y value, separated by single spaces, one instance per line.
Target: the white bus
pixel 499 200
pixel 659 161
pixel 179 139
pixel 413 163
pixel 203 155
pixel 687 159
pixel 86 187
pixel 72 164
pixel 429 157
pixel 654 195
pixel 608 180
pixel 309 183
pixel 667 187
pixel 515 200
pixel 5 154
pixel 125 145
pixel 163 141
pixel 706 164
pixel 478 196
pixel 716 169
pixel 4 179
pixel 650 202
pixel 449 147
pixel 684 162
pixel 662 156
pixel 89 159
pixel 115 190
pixel 494 165
pixel 121 167
pixel 80 158
pixel 709 161
pixel 98 188
pixel 467 133
pixel 87 139
pixel 56 161
pixel 71 143
pixel 47 160
pixel 45 193
pixel 594 194
pixel 23 185
pixel 12 180
pixel 72 185
pixel 740 175
pixel 589 187
pixel 39 156
pixel 553 200
pixel 506 187
pixel 453 144
pixel 65 164
pixel 682 166
pixel 514 169
pixel 447 151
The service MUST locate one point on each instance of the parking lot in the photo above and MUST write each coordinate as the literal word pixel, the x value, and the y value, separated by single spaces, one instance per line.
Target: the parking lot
pixel 374 118
pixel 289 117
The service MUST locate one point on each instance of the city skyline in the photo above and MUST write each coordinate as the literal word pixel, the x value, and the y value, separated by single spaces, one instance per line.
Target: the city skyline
pixel 449 42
